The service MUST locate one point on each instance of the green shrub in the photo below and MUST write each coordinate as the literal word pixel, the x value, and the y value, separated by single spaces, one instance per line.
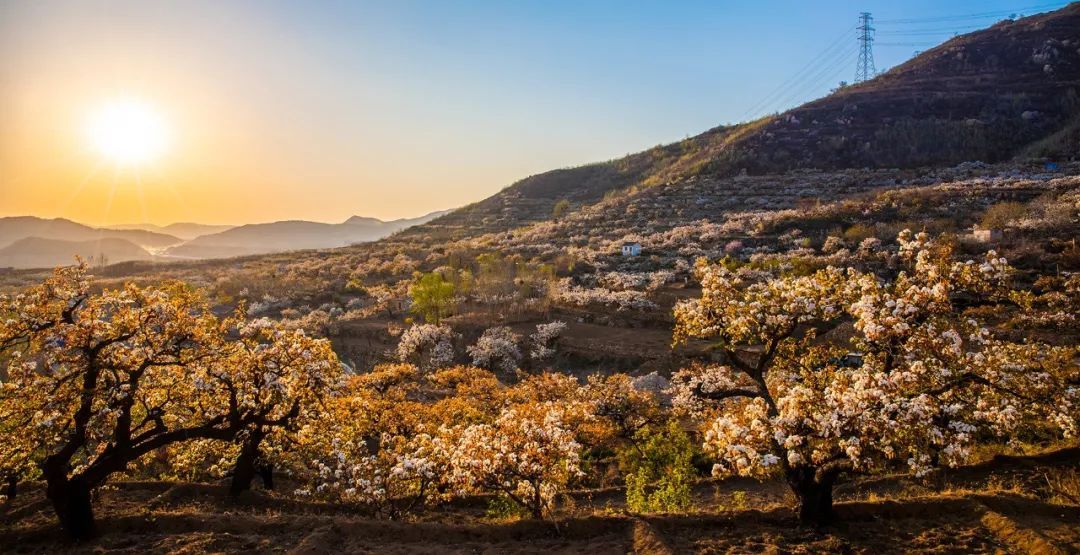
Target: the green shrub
pixel 659 470
pixel 356 285
pixel 856 233
pixel 502 508
pixel 1002 214
pixel 560 209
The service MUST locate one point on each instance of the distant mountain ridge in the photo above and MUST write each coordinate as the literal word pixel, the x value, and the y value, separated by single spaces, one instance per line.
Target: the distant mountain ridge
pixel 32 242
pixel 184 230
pixel 36 252
pixel 15 228
pixel 293 235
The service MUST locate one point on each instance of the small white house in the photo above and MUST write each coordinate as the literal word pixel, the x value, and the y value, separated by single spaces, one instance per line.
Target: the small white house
pixel 631 249
pixel 988 235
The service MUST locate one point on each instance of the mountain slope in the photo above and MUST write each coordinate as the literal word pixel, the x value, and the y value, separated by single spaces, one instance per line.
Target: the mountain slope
pixel 988 95
pixel 36 252
pixel 378 226
pixel 16 228
pixel 291 235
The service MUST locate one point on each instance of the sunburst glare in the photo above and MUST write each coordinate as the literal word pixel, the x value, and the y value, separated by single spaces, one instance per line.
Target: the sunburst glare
pixel 128 132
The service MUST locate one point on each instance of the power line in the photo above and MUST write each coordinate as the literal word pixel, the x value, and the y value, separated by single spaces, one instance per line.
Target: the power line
pixel 905 43
pixel 811 80
pixel 931 30
pixel 826 73
pixel 928 33
pixel 977 15
pixel 834 48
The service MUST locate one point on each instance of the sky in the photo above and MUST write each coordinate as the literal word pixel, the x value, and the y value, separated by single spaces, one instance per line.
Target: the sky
pixel 321 110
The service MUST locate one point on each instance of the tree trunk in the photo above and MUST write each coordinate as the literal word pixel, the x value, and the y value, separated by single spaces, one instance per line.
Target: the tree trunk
pixel 245 469
pixel 537 502
pixel 814 501
pixel 11 486
pixel 266 472
pixel 373 443
pixel 71 502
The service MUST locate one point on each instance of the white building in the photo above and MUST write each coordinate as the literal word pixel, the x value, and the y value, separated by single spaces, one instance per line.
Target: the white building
pixel 631 249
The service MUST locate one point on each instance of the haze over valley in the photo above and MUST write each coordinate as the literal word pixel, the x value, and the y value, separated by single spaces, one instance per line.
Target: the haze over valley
pixel 29 242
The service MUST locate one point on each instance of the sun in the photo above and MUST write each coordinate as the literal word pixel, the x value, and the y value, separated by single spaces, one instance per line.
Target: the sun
pixel 128 132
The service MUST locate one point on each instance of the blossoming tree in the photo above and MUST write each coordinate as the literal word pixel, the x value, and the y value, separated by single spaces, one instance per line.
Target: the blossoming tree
pixel 528 454
pixel 544 340
pixel 378 445
pixel 427 346
pixel 497 350
pixel 285 376
pixel 620 408
pixel 923 384
pixel 97 381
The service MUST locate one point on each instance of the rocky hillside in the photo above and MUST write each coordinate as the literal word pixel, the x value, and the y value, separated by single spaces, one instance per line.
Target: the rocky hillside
pixel 1011 90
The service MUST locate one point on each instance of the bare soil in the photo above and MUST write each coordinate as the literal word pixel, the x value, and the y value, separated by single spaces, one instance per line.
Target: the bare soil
pixel 1004 505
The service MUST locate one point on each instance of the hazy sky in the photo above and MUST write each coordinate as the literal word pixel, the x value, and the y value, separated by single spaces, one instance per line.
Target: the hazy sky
pixel 322 110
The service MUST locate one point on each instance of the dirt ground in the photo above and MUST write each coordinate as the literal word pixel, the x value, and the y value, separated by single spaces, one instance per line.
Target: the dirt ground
pixel 1005 505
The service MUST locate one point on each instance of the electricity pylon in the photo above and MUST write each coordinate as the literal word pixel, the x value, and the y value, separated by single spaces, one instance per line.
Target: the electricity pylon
pixel 865 68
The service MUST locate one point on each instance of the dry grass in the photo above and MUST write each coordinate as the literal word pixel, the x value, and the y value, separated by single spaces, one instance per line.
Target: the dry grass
pixel 1064 486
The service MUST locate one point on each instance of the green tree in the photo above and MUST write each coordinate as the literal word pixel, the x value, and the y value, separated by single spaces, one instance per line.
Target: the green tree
pixel 560 209
pixel 432 297
pixel 659 471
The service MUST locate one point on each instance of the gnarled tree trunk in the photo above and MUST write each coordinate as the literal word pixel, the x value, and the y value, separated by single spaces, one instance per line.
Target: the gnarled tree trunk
pixel 11 486
pixel 266 472
pixel 71 501
pixel 245 469
pixel 813 495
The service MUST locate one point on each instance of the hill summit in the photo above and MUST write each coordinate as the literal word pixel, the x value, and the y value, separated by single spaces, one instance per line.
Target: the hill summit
pixel 1011 90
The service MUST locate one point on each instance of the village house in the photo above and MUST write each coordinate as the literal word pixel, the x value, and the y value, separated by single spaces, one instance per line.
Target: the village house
pixel 631 249
pixel 987 235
